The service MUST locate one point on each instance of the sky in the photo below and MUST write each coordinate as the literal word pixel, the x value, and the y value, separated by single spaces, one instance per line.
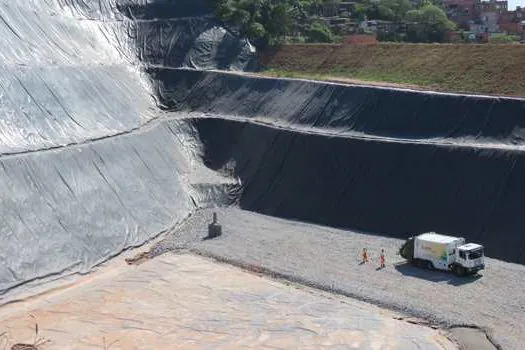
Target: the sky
pixel 514 3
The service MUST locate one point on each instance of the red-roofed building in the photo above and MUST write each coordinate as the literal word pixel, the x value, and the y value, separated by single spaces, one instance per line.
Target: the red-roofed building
pixel 494 6
pixel 513 22
pixel 480 16
pixel 462 12
pixel 490 12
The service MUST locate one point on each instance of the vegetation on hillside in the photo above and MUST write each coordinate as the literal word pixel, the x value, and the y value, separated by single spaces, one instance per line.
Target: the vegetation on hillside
pixel 268 22
pixel 271 22
pixel 486 69
pixel 431 24
pixel 505 39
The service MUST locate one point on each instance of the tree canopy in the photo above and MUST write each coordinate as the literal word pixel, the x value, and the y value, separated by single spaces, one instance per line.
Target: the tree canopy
pixel 429 24
pixel 388 10
pixel 267 22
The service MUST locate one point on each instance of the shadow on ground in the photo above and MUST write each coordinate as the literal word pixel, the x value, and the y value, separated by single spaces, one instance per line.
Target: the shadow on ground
pixel 435 276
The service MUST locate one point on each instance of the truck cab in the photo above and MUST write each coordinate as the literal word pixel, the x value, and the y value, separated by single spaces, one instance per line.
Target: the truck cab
pixel 470 257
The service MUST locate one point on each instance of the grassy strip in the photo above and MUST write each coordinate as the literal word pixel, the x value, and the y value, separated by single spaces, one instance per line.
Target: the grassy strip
pixel 353 76
pixel 490 69
pixel 394 79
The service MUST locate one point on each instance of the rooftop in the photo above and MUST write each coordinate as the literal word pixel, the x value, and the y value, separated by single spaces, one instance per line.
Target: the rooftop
pixel 437 238
pixel 470 246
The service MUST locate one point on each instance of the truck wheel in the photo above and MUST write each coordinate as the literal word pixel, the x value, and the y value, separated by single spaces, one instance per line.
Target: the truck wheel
pixel 429 265
pixel 460 270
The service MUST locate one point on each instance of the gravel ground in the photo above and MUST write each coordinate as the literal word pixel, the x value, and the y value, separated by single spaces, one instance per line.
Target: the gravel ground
pixel 329 259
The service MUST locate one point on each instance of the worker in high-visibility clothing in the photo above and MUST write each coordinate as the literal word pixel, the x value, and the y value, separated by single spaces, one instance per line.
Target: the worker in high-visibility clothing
pixel 382 258
pixel 364 256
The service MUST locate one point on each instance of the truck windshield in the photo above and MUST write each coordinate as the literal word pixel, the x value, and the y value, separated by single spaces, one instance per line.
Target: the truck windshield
pixel 475 254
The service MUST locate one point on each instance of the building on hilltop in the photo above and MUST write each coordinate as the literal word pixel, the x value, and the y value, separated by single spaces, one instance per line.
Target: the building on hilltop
pixel 477 21
pixel 476 15
pixel 490 21
pixel 338 9
pixel 513 22
pixel 494 6
pixel 337 15
pixel 374 26
pixel 490 12
pixel 478 26
pixel 462 12
pixel 340 25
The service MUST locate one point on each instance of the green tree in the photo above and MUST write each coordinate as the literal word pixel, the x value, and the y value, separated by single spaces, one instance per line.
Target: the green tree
pixel 505 39
pixel 360 12
pixel 388 10
pixel 256 30
pixel 319 32
pixel 428 24
pixel 267 22
pixel 397 9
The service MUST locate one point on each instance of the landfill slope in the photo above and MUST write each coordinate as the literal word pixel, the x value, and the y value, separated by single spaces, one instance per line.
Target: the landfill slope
pixel 72 73
pixel 389 188
pixel 92 166
pixel 392 162
pixel 66 210
pixel 62 81
pixel 353 110
pixel 184 33
pixel 88 167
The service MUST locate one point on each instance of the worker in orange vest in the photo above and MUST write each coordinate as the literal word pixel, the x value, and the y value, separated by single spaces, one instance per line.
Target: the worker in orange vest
pixel 382 258
pixel 364 255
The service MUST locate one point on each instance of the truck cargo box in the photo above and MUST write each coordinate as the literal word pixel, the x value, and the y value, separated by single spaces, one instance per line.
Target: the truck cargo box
pixel 437 248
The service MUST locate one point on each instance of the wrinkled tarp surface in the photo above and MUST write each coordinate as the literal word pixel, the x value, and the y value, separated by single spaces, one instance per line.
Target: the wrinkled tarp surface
pixel 390 188
pixel 66 210
pixel 86 167
pixel 392 162
pixel 359 111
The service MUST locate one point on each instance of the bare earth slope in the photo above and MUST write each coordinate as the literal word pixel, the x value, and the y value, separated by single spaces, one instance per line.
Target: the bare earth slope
pixel 485 69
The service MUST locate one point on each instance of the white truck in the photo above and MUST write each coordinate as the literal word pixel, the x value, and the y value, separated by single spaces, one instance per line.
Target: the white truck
pixel 436 251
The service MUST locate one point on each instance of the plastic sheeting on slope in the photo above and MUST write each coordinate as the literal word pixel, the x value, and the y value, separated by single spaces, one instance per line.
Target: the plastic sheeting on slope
pixel 393 189
pixel 163 9
pixel 45 108
pixel 33 38
pixel 192 43
pixel 170 33
pixel 64 81
pixel 69 209
pixel 184 33
pixel 363 110
pixel 69 76
pixel 80 9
